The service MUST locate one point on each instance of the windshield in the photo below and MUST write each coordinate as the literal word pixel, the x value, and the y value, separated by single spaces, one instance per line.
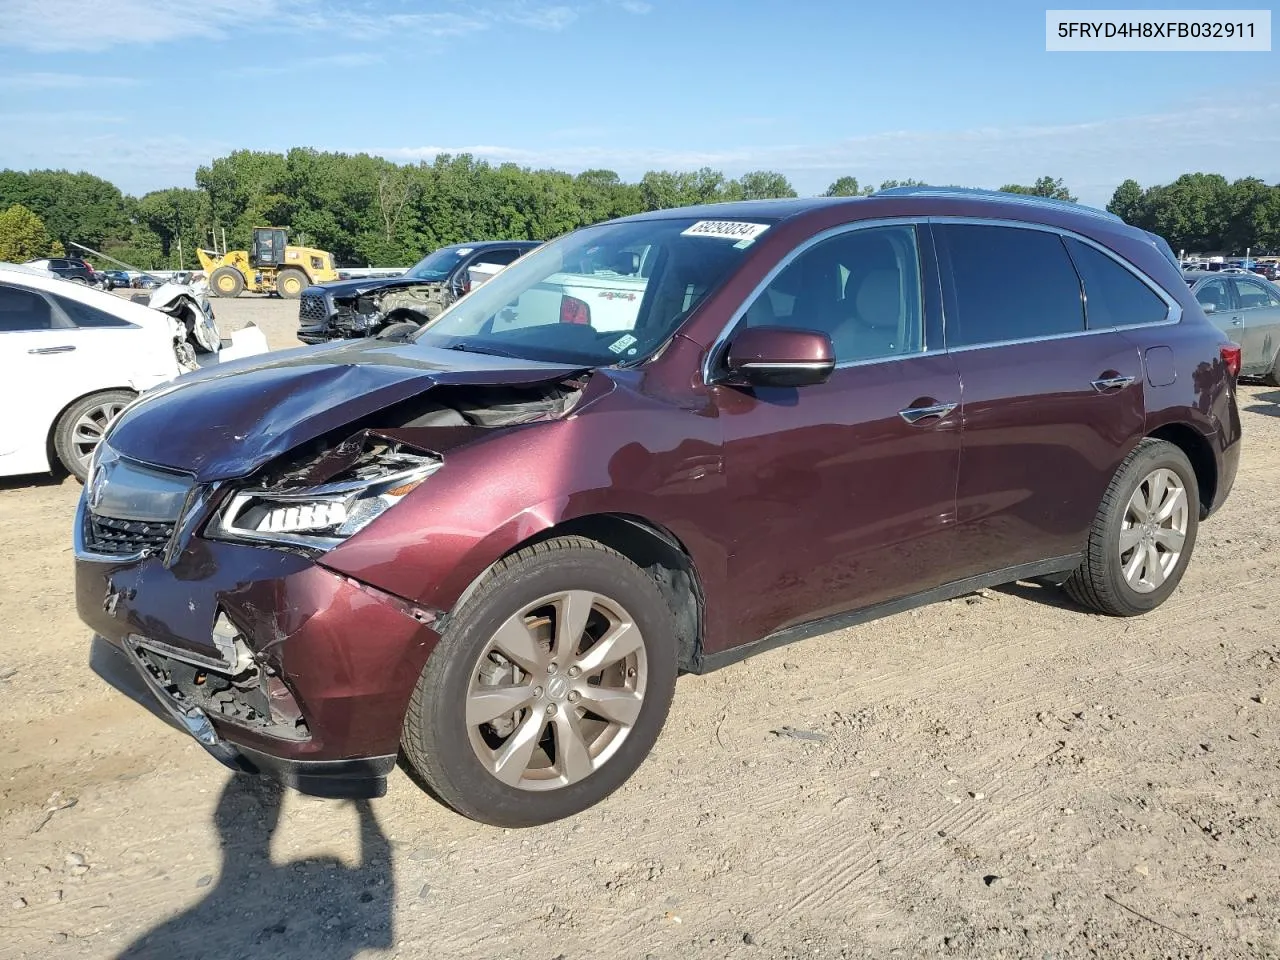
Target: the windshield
pixel 602 295
pixel 437 265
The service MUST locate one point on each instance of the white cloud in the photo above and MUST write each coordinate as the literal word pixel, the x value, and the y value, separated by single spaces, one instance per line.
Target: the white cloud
pixel 335 62
pixel 30 25
pixel 33 25
pixel 1092 157
pixel 635 6
pixel 62 81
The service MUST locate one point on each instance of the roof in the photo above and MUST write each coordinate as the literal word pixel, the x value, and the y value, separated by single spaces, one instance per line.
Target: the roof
pixel 1201 274
pixel 486 244
pixel 901 202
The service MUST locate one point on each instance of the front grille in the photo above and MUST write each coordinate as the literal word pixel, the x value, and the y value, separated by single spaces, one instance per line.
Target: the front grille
pixel 312 311
pixel 110 537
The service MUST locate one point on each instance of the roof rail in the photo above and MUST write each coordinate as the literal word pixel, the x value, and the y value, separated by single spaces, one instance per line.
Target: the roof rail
pixel 980 194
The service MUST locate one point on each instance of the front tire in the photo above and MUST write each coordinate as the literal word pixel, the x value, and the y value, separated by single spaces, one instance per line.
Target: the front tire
pixel 80 429
pixel 290 283
pixel 226 282
pixel 548 688
pixel 1143 535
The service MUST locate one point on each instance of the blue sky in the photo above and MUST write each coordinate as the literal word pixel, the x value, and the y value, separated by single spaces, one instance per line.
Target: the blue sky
pixel 143 91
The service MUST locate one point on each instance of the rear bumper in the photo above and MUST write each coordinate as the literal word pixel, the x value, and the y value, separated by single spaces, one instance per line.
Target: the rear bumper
pixel 362 777
pixel 1228 466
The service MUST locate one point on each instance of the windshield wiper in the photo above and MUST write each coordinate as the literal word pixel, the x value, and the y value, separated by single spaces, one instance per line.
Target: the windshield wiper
pixel 468 348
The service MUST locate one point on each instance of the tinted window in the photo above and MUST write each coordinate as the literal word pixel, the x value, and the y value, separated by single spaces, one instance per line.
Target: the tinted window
pixel 1114 297
pixel 23 310
pixel 500 257
pixel 83 315
pixel 1214 296
pixel 1251 294
pixel 861 288
pixel 1009 284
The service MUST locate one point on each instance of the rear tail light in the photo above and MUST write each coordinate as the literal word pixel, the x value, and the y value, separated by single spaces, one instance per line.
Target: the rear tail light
pixel 1230 353
pixel 573 310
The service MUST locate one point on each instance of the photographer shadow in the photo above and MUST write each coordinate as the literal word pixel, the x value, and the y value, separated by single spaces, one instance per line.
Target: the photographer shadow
pixel 318 908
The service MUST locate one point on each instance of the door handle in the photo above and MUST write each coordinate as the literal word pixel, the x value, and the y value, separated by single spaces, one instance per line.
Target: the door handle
pixel 919 414
pixel 1112 383
pixel 1236 321
pixel 65 348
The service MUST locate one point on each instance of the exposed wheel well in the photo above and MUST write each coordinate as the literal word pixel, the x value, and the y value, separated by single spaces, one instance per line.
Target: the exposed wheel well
pixel 659 554
pixel 1191 442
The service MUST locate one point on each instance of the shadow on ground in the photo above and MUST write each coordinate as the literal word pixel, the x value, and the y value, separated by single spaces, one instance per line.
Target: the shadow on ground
pixel 318 908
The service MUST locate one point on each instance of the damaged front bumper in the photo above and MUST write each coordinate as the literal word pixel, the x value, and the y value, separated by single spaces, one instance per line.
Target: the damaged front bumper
pixel 364 777
pixel 273 663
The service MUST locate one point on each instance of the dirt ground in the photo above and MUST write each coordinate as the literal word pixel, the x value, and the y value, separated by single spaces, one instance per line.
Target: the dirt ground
pixel 998 776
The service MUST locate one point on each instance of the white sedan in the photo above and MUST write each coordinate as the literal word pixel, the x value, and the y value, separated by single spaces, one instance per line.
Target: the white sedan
pixel 71 358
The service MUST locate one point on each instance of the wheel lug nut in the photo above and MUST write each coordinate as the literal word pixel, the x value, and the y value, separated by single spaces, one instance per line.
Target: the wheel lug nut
pixel 551 709
pixel 537 691
pixel 552 668
pixel 574 671
pixel 574 696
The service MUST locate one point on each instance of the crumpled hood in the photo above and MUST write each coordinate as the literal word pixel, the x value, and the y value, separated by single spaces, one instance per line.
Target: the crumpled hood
pixel 228 420
pixel 345 289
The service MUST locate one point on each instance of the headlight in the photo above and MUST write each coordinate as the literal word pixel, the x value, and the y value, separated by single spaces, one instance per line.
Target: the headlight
pixel 320 516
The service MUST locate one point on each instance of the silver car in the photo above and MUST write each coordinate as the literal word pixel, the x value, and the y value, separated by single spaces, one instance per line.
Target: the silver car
pixel 1246 307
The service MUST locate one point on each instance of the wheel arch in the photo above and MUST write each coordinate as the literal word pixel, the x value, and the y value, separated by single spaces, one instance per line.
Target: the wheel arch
pixel 1200 452
pixel 50 448
pixel 652 548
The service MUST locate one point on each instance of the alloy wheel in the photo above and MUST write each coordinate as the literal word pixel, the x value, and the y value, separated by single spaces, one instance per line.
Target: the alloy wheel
pixel 88 431
pixel 1154 530
pixel 557 690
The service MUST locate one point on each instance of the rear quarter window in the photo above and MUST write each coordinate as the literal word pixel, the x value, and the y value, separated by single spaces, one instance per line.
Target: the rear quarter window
pixel 1114 295
pixel 1007 283
pixel 83 315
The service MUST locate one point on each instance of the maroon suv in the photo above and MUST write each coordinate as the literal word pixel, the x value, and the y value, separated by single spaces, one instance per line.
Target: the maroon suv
pixel 654 445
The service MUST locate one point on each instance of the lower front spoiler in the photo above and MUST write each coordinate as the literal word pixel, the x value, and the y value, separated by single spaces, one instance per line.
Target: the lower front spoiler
pixel 361 778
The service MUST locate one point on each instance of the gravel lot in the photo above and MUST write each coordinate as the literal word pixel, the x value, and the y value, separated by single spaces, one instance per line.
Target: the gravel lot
pixel 1001 775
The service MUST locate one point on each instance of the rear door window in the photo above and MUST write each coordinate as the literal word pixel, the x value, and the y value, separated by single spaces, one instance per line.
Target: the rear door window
pixel 1251 294
pixel 83 315
pixel 23 310
pixel 1114 296
pixel 1007 283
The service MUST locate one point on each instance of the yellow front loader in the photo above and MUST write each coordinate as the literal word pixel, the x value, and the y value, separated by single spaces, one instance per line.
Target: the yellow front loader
pixel 269 266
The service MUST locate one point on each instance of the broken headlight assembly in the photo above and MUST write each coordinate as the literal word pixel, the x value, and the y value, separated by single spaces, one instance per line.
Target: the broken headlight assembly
pixel 327 501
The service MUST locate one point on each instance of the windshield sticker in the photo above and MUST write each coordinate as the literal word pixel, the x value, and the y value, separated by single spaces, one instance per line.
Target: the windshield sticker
pixel 726 230
pixel 464 251
pixel 622 343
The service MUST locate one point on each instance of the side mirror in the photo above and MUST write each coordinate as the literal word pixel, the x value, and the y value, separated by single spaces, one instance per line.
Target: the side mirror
pixel 1209 308
pixel 781 357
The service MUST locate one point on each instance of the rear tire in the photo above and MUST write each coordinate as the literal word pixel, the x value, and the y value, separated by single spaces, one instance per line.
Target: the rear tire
pixel 618 657
pixel 1154 480
pixel 80 428
pixel 290 282
pixel 226 282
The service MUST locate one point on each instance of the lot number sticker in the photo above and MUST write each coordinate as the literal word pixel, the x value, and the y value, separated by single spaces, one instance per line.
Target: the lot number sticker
pixel 726 230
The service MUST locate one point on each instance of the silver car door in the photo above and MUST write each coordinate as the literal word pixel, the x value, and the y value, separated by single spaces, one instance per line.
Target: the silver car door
pixel 1217 299
pixel 1258 304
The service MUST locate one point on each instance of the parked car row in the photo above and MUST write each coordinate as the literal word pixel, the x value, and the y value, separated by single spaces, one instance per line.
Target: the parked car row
pixel 653 445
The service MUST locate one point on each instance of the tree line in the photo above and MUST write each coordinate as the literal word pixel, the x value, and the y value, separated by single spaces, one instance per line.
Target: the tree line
pixel 370 211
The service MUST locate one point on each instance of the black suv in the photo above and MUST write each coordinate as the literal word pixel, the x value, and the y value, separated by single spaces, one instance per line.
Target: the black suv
pixel 364 307
pixel 68 268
